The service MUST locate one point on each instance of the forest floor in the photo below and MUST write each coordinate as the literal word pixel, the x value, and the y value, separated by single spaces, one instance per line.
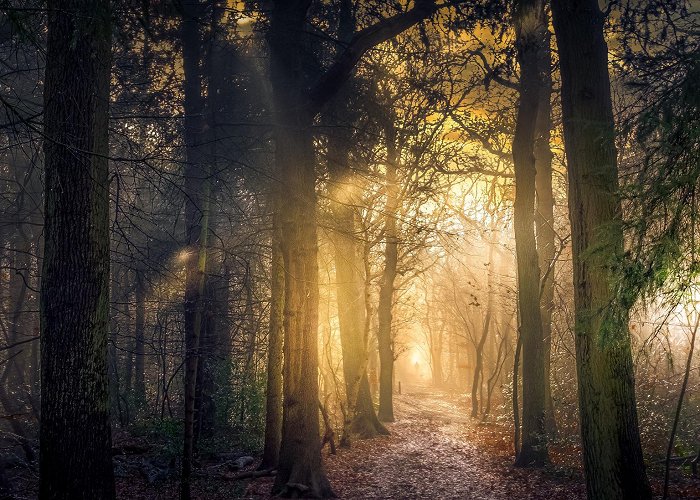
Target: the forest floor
pixel 435 452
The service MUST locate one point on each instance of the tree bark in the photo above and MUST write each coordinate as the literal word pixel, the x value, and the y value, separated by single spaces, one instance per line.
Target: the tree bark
pixel 76 449
pixel 530 28
pixel 544 219
pixel 612 452
pixel 273 409
pixel 300 471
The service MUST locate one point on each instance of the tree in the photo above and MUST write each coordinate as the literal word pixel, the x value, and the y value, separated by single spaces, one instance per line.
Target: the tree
pixel 612 451
pixel 273 401
pixel 297 101
pixel 350 292
pixel 75 449
pixel 299 469
pixel 386 291
pixel 197 198
pixel 544 216
pixel 531 29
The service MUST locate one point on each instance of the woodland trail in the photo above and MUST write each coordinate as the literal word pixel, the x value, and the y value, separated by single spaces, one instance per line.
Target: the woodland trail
pixel 436 451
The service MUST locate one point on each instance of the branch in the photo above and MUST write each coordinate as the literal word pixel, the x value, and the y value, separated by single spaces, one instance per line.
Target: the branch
pixel 475 171
pixel 485 143
pixel 492 73
pixel 335 77
pixel 26 341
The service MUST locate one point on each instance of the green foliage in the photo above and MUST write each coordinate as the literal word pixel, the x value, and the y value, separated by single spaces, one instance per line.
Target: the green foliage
pixel 248 415
pixel 661 200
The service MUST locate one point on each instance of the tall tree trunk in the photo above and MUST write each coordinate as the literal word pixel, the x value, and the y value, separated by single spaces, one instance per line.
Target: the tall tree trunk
pixel 197 194
pixel 386 290
pixel 531 28
pixel 211 357
pixel 350 293
pixel 544 219
pixel 273 409
pixel 612 452
pixel 76 444
pixel 300 471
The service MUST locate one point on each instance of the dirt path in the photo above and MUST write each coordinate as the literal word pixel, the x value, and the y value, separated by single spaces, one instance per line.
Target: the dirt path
pixel 433 453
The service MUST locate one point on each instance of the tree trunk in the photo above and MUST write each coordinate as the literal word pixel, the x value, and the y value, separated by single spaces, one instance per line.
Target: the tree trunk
pixel 386 290
pixel 300 471
pixel 612 452
pixel 544 219
pixel 273 409
pixel 530 27
pixel 76 447
pixel 350 293
pixel 197 194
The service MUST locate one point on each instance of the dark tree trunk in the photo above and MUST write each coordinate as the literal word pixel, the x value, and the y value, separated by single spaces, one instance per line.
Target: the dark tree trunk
pixel 613 460
pixel 212 355
pixel 196 191
pixel 531 28
pixel 273 409
pixel 544 219
pixel 300 471
pixel 386 290
pixel 76 448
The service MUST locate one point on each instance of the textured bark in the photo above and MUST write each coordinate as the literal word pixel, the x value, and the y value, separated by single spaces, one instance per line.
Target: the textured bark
pixel 612 452
pixel 196 191
pixel 530 28
pixel 544 219
pixel 386 290
pixel 75 448
pixel 300 471
pixel 273 409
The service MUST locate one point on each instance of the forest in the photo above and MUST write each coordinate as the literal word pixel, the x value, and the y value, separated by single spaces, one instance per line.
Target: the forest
pixel 360 249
